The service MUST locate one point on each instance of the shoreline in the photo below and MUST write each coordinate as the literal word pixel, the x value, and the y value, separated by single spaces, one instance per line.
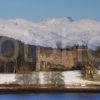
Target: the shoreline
pixel 42 89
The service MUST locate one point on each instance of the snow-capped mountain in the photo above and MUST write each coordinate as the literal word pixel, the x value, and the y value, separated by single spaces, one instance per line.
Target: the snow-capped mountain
pixel 52 30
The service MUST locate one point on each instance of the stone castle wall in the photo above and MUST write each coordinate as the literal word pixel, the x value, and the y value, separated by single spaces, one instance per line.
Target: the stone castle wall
pixel 47 57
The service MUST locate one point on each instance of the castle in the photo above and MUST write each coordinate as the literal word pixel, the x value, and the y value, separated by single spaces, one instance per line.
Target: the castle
pixel 56 58
pixel 42 58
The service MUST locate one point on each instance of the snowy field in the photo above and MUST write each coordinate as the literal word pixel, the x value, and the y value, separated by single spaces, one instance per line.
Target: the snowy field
pixel 70 77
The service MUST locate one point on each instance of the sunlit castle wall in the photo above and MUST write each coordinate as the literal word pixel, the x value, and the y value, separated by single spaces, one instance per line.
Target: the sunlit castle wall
pixel 48 57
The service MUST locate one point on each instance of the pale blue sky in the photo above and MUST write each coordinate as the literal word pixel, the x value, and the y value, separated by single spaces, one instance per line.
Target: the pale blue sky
pixel 40 9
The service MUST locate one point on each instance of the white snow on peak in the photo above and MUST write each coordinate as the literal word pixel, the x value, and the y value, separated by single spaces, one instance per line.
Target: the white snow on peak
pixel 52 30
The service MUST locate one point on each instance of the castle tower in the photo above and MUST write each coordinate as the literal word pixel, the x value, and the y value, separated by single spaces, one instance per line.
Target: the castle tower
pixel 37 58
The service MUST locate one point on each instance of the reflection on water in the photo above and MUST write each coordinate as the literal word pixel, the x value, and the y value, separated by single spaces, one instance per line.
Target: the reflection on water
pixel 55 96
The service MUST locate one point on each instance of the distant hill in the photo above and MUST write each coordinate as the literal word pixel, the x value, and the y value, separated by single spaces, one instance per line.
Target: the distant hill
pixel 48 32
pixel 11 58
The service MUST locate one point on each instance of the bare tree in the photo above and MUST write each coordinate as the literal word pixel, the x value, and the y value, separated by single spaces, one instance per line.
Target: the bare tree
pixel 24 75
pixel 57 79
pixel 47 77
pixel 35 78
pixel 88 69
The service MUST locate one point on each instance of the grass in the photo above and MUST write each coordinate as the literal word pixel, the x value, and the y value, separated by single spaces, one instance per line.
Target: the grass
pixel 97 77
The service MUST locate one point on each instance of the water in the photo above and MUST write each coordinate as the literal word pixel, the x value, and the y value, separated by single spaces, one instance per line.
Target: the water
pixel 55 96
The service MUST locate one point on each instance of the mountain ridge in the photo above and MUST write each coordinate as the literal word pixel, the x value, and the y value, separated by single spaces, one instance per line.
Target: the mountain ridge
pixel 52 30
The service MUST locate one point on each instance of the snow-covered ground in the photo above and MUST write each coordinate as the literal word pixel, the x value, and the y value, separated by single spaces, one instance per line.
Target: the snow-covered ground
pixel 7 78
pixel 75 77
pixel 70 77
